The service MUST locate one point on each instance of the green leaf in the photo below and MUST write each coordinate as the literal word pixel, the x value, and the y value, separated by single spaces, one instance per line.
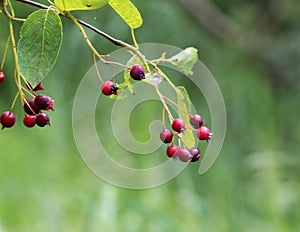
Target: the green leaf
pixel 39 45
pixel 185 60
pixel 184 107
pixel 128 12
pixel 69 5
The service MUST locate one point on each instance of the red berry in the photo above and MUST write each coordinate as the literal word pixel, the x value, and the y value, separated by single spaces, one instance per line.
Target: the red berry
pixel 33 109
pixel 29 120
pixel 109 88
pixel 137 72
pixel 7 119
pixel 2 77
pixel 196 121
pixel 166 136
pixel 44 102
pixel 178 125
pixel 185 155
pixel 195 152
pixel 204 133
pixel 42 119
pixel 172 151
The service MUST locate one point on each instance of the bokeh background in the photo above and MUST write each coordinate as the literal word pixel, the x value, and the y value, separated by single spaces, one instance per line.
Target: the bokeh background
pixel 251 47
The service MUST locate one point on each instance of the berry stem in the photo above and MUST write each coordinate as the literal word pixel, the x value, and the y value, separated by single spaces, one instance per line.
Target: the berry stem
pixel 179 107
pixel 97 70
pixel 17 70
pixel 5 53
pixel 163 117
pixel 164 103
pixel 14 102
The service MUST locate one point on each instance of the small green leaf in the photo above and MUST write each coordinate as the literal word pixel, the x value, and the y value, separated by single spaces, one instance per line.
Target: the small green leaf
pixel 69 5
pixel 185 60
pixel 184 107
pixel 39 45
pixel 128 12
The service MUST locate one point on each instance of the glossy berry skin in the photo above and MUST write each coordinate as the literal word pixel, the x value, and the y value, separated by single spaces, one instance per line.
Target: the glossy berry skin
pixel 184 155
pixel 196 121
pixel 29 120
pixel 137 72
pixel 166 136
pixel 34 109
pixel 44 102
pixel 109 88
pixel 178 125
pixel 195 152
pixel 7 119
pixel 42 120
pixel 172 151
pixel 204 133
pixel 2 77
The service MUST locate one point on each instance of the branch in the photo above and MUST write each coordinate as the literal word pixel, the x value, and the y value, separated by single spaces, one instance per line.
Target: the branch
pixel 111 39
pixel 98 31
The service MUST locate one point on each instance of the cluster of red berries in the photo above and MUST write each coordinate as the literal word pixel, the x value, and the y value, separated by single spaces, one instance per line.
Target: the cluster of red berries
pixel 179 126
pixel 137 73
pixel 33 108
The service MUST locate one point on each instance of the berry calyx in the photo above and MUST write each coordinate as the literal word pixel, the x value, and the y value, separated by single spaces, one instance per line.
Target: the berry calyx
pixel 31 107
pixel 42 119
pixel 172 151
pixel 29 120
pixel 204 133
pixel 44 102
pixel 2 77
pixel 137 72
pixel 195 152
pixel 109 88
pixel 38 87
pixel 7 119
pixel 178 125
pixel 196 121
pixel 185 155
pixel 166 136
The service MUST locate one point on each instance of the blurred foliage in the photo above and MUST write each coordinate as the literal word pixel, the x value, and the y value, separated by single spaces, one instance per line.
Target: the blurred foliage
pixel 253 186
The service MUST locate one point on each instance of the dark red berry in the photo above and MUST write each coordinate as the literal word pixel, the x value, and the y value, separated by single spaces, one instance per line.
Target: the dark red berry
pixel 204 133
pixel 42 119
pixel 178 125
pixel 166 136
pixel 109 88
pixel 185 155
pixel 43 102
pixel 195 152
pixel 196 121
pixel 172 151
pixel 29 120
pixel 2 77
pixel 33 109
pixel 7 119
pixel 137 72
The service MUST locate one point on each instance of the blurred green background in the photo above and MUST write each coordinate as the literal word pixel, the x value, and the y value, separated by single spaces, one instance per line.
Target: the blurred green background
pixel 251 47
